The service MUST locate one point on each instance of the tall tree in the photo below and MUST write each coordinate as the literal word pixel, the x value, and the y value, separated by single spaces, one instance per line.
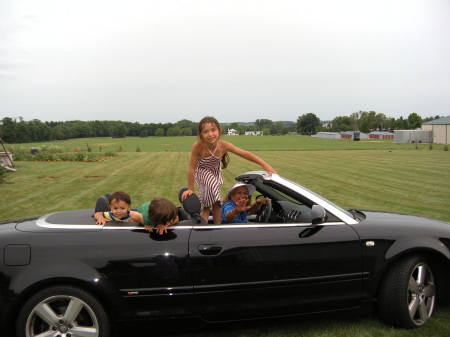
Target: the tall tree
pixel 119 130
pixel 307 124
pixel 414 121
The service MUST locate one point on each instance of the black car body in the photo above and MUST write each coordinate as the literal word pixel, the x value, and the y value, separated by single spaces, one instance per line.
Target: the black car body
pixel 301 254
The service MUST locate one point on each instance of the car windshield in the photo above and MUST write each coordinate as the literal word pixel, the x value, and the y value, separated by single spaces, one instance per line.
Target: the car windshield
pixel 320 197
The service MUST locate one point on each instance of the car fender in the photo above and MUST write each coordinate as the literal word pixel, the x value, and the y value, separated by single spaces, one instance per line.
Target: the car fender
pixel 417 243
pixel 45 270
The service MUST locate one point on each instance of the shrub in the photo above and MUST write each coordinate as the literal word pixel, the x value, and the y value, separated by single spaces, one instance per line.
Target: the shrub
pixel 3 175
pixel 76 154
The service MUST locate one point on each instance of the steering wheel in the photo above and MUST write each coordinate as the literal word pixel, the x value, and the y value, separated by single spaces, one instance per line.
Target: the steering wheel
pixel 263 214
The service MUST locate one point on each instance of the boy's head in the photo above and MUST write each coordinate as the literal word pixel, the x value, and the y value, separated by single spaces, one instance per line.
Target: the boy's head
pixel 162 211
pixel 119 204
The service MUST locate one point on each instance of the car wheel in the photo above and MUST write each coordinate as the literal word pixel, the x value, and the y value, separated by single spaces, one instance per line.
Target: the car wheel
pixel 408 293
pixel 63 311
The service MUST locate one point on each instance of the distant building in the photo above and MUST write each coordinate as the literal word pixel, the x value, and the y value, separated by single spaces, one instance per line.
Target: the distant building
pixel 232 132
pixel 341 135
pixel 412 136
pixel 440 130
pixel 254 133
pixel 381 135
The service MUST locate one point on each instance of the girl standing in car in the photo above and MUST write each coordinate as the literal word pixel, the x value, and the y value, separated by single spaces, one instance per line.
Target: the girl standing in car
pixel 209 156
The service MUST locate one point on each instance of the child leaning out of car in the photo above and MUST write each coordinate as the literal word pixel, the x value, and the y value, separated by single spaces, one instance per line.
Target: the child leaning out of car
pixel 157 214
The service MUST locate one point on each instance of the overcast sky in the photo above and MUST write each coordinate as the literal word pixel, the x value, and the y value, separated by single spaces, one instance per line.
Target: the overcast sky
pixel 153 61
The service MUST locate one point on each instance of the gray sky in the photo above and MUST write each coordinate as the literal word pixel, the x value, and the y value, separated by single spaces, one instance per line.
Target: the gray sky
pixel 152 61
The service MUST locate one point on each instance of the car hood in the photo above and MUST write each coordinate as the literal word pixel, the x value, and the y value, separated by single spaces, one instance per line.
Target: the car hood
pixel 398 225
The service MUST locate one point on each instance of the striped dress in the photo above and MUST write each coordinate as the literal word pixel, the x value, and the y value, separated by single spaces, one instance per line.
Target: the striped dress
pixel 209 179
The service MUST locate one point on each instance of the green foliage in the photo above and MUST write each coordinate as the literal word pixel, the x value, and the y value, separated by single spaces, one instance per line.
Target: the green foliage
pixel 55 153
pixel 342 123
pixel 119 131
pixel 176 131
pixel 414 121
pixel 138 149
pixel 16 130
pixel 307 124
pixel 4 175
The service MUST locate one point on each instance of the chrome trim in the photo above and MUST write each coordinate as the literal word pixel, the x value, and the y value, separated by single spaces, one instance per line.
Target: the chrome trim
pixel 264 225
pixel 44 224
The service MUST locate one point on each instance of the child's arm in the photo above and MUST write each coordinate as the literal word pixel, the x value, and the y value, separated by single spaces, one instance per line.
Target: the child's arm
pixel 249 156
pixel 191 172
pixel 136 217
pixel 162 228
pixel 101 220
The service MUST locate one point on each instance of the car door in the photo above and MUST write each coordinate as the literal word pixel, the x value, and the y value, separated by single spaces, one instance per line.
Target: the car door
pixel 256 270
pixel 150 270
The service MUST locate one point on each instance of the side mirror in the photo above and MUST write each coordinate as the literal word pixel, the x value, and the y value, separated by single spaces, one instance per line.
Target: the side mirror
pixel 318 214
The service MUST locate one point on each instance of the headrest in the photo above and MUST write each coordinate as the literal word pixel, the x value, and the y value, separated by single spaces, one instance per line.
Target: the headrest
pixel 192 204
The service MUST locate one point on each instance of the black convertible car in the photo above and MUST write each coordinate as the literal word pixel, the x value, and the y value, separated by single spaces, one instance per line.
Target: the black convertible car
pixel 63 275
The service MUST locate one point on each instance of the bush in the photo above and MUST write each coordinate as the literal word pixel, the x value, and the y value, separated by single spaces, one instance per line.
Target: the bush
pixel 55 154
pixel 3 174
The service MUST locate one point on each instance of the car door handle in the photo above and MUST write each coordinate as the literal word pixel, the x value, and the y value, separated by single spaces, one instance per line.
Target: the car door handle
pixel 209 249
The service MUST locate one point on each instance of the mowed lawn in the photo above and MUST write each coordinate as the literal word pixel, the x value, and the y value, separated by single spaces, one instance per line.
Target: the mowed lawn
pixel 375 175
pixel 369 175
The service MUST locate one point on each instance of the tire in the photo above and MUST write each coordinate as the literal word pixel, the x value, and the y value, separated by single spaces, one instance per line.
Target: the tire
pixel 407 294
pixel 63 309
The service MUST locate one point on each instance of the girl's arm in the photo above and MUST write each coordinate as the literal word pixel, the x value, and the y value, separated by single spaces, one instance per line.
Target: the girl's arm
pixel 191 171
pixel 249 156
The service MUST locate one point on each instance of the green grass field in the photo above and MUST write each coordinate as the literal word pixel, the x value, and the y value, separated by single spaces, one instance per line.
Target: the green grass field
pixel 402 178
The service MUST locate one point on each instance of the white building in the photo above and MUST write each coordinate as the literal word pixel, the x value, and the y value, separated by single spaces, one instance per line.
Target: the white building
pixel 253 133
pixel 232 132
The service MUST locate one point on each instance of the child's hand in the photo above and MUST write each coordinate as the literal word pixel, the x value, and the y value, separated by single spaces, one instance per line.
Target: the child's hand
pixel 186 194
pixel 161 229
pixel 102 222
pixel 269 169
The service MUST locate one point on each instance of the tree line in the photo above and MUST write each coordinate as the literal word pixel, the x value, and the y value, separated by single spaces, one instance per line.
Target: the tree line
pixel 17 130
pixel 364 121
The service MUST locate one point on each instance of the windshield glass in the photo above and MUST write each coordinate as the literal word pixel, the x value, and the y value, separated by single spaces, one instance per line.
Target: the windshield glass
pixel 320 197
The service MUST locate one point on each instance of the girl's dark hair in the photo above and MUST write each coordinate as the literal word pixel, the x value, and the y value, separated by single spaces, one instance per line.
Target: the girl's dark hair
pixel 208 119
pixel 120 196
pixel 161 211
